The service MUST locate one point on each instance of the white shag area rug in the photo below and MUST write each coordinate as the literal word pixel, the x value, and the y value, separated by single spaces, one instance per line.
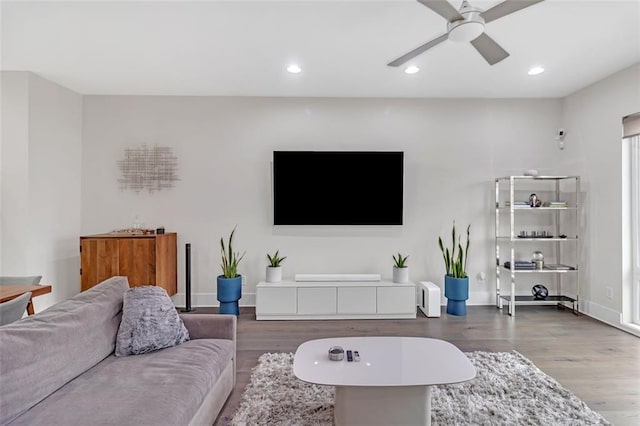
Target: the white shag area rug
pixel 508 390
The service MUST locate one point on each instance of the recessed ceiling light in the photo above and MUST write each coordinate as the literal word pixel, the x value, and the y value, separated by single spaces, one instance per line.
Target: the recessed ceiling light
pixel 535 70
pixel 294 69
pixel 411 69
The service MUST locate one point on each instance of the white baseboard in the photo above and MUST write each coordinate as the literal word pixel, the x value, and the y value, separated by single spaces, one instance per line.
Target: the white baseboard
pixel 481 298
pixel 631 328
pixel 601 313
pixel 210 299
pixel 476 298
pixel 608 316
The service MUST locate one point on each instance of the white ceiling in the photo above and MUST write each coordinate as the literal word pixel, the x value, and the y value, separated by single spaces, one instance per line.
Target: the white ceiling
pixel 241 48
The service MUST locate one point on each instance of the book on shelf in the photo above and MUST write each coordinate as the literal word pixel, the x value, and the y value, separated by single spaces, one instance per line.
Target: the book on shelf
pixel 518 204
pixel 520 265
pixel 558 204
pixel 559 267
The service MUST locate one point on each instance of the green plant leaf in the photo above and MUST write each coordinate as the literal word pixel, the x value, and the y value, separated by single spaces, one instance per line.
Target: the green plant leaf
pixel 455 259
pixel 230 259
pixel 466 251
pixel 275 260
pixel 453 240
pixel 400 261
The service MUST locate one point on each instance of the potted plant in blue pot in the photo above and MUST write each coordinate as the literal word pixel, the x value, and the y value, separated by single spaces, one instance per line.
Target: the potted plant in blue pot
pixel 456 280
pixel 229 288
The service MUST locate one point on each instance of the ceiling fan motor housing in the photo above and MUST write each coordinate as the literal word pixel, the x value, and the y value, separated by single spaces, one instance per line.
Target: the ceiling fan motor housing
pixel 469 28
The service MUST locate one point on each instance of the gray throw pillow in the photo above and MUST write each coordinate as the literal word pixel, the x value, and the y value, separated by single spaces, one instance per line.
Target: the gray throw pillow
pixel 149 322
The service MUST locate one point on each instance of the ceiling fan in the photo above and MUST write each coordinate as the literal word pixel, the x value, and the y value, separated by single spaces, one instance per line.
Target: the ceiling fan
pixel 467 24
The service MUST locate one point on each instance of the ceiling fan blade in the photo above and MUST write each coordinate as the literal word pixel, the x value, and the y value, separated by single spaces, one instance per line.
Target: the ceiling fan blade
pixel 418 50
pixel 489 49
pixel 505 8
pixel 443 8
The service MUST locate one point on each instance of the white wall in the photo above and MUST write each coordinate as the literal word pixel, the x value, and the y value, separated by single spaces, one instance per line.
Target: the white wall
pixel 593 121
pixel 14 171
pixel 453 151
pixel 41 183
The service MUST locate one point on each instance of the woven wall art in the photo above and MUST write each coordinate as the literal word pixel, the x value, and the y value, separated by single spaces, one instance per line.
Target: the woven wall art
pixel 153 169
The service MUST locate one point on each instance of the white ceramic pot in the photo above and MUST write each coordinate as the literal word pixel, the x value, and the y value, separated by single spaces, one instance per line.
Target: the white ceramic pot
pixel 401 275
pixel 274 274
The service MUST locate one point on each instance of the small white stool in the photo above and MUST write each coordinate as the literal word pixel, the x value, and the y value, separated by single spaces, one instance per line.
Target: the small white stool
pixel 429 298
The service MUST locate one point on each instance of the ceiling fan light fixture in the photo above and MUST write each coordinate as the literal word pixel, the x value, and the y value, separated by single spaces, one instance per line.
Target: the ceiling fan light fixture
pixel 412 69
pixel 294 69
pixel 535 70
pixel 465 31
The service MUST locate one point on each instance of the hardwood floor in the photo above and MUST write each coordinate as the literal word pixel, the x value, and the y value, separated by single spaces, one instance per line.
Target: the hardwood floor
pixel 599 363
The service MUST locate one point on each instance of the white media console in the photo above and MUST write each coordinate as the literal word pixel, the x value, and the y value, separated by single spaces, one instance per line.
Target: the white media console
pixel 322 299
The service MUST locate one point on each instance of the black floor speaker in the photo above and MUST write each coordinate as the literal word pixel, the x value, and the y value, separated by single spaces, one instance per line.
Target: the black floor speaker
pixel 187 282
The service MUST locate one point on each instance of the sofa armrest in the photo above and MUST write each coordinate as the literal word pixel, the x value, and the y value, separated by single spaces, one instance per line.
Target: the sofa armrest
pixel 213 326
pixel 210 326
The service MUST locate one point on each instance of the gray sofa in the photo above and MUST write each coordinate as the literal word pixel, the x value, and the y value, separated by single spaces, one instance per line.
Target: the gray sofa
pixel 58 367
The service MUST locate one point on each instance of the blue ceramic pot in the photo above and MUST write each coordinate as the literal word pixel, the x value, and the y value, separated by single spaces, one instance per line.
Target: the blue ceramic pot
pixel 229 292
pixel 456 290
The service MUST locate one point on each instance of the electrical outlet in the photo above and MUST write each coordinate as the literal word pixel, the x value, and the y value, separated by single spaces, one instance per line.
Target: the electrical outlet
pixel 560 138
pixel 609 291
pixel 242 281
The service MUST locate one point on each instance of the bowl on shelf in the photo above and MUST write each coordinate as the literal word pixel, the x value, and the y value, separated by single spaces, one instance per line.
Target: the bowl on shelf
pixel 538 259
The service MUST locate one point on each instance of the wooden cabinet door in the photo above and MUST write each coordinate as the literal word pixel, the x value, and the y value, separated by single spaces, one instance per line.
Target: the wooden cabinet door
pixel 166 271
pixel 137 260
pixel 98 260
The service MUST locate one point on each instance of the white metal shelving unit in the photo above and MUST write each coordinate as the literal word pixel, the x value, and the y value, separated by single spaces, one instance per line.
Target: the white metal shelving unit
pixel 562 238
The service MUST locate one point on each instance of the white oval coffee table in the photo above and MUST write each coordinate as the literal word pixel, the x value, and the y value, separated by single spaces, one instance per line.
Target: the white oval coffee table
pixel 391 384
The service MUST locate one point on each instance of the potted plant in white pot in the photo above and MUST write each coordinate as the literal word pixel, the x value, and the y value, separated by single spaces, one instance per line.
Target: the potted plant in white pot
pixel 400 269
pixel 229 284
pixel 456 280
pixel 274 270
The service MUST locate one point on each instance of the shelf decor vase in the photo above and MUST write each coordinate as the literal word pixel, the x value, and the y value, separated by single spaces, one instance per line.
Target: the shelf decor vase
pixel 229 292
pixel 456 290
pixel 401 275
pixel 274 274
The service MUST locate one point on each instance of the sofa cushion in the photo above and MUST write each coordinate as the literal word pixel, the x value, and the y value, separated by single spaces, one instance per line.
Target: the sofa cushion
pixel 43 352
pixel 165 387
pixel 149 322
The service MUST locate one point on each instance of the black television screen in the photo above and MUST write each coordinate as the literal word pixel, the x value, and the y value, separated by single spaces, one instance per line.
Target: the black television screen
pixel 337 187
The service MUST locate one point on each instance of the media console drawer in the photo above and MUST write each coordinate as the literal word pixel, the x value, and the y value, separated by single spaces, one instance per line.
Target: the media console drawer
pixel 276 300
pixel 356 300
pixel 395 300
pixel 335 300
pixel 317 300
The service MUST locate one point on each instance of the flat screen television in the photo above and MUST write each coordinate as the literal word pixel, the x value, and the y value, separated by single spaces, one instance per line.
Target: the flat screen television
pixel 337 187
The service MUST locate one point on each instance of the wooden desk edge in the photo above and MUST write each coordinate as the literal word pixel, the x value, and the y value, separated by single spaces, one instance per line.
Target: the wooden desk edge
pixel 36 290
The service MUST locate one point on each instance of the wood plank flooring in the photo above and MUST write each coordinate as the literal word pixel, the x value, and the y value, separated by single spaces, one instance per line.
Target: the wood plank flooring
pixel 599 363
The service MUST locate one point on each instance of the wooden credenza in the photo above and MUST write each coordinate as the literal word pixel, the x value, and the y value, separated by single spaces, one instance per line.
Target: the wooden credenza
pixel 143 259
